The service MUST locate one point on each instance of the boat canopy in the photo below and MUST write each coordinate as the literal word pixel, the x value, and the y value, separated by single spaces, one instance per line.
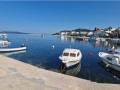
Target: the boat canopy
pixel 71 51
pixel 3 34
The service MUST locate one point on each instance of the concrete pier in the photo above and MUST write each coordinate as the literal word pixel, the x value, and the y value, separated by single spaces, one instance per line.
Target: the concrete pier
pixel 16 75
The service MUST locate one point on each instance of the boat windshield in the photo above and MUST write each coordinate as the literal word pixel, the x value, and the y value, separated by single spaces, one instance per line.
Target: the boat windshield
pixel 65 54
pixel 78 54
pixel 110 59
pixel 72 55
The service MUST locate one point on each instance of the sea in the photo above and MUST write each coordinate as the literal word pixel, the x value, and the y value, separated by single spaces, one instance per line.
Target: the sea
pixel 40 53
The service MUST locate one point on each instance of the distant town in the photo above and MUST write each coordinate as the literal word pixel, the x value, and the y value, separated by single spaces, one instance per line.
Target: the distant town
pixel 107 32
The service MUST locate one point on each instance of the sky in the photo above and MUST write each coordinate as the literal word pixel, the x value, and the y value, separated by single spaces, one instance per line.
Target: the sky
pixel 54 16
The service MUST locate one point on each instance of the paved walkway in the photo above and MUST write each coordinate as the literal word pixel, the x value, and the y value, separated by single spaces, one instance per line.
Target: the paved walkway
pixel 16 75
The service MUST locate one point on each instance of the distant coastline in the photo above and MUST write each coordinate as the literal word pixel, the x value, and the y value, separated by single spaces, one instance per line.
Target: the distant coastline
pixel 15 32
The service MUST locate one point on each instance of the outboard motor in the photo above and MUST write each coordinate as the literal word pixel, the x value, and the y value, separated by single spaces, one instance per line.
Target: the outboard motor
pixel 23 45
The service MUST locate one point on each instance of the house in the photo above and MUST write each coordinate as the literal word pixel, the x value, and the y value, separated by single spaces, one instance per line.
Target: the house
pixel 97 32
pixel 65 33
pixel 107 30
pixel 83 32
pixel 89 33
pixel 74 33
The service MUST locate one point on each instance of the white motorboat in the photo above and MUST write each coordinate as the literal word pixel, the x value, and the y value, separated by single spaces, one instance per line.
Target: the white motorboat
pixel 114 49
pixel 111 49
pixel 70 57
pixel 4 40
pixel 12 49
pixel 111 60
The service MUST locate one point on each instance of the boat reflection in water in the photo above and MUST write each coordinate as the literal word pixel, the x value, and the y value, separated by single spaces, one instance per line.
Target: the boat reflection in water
pixel 11 53
pixel 73 70
pixel 114 72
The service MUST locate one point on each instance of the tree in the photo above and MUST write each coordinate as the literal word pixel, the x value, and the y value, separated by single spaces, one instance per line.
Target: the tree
pixel 110 28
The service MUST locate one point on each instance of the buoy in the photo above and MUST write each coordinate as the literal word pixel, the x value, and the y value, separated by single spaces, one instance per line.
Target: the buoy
pixel 53 46
pixel 31 41
pixel 90 54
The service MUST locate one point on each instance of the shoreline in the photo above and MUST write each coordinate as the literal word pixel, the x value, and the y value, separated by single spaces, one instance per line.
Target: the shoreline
pixel 15 75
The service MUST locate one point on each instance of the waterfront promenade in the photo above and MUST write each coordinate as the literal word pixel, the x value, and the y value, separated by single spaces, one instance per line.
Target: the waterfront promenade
pixel 16 75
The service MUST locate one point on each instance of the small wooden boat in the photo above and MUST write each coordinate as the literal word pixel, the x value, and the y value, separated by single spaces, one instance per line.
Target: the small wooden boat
pixel 12 49
pixel 70 57
pixel 111 60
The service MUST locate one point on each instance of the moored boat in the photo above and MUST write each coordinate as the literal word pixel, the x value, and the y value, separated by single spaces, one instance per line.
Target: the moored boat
pixel 4 40
pixel 70 57
pixel 111 60
pixel 12 49
pixel 113 49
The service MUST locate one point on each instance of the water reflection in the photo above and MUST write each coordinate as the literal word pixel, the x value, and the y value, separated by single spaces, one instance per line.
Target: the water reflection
pixel 12 53
pixel 107 44
pixel 68 38
pixel 63 38
pixel 43 36
pixel 73 71
pixel 112 71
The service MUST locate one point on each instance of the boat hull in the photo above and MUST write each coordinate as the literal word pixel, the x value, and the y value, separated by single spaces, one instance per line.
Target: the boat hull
pixel 12 49
pixel 70 63
pixel 112 66
pixel 109 63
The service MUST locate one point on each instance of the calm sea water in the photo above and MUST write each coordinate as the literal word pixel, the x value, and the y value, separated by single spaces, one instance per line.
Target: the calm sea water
pixel 41 54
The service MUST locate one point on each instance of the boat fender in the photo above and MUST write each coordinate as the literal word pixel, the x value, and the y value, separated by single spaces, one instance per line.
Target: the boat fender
pixel 23 45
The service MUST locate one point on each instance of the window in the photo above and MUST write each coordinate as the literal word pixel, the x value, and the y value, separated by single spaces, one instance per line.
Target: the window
pixel 72 55
pixel 65 54
pixel 78 54
pixel 110 59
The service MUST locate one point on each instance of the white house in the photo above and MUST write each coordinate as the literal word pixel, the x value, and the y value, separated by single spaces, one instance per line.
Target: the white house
pixel 83 32
pixel 107 30
pixel 64 33
pixel 74 33
pixel 89 33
